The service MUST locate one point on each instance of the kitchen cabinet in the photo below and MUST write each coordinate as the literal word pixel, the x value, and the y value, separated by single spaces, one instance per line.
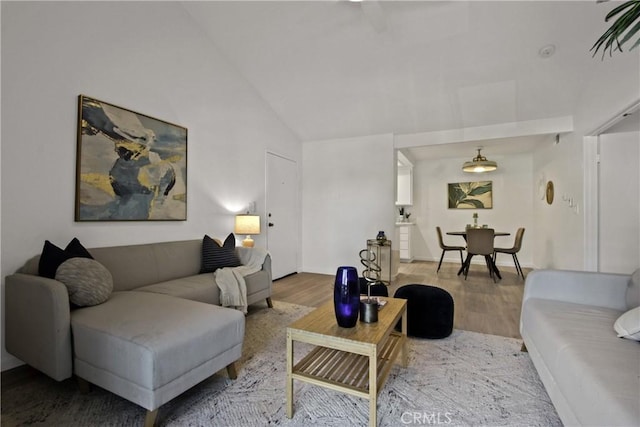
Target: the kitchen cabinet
pixel 404 242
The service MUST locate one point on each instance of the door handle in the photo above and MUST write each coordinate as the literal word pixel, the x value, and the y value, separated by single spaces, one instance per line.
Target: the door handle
pixel 270 224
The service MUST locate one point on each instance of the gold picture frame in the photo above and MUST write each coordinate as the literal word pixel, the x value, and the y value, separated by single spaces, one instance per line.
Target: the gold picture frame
pixel 129 166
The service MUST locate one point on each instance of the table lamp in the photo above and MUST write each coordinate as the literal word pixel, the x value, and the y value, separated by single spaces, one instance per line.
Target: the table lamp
pixel 248 225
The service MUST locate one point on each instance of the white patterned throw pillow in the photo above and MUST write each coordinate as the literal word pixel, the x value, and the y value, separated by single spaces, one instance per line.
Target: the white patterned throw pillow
pixel 628 325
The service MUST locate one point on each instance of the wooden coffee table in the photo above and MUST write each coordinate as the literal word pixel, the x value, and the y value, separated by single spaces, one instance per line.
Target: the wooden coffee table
pixel 351 360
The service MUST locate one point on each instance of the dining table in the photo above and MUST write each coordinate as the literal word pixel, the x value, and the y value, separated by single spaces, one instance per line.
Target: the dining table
pixel 464 234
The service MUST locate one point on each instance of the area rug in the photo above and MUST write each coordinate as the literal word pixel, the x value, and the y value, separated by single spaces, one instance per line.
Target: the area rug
pixel 466 379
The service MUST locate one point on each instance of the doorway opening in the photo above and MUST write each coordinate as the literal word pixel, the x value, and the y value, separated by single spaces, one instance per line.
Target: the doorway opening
pixel 612 195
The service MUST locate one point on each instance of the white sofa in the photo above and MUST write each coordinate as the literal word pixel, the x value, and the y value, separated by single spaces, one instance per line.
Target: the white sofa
pixel 567 323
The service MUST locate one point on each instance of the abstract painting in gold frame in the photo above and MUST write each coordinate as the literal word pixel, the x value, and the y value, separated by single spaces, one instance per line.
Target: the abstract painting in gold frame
pixel 129 166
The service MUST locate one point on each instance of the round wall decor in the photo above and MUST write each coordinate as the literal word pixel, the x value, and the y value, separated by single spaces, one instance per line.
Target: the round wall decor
pixel 549 192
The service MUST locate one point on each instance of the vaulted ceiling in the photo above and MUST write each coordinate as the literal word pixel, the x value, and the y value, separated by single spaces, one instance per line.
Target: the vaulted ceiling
pixel 337 69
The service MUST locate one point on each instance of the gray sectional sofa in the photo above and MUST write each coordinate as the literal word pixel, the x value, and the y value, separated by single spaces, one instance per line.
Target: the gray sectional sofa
pixel 158 334
pixel 591 374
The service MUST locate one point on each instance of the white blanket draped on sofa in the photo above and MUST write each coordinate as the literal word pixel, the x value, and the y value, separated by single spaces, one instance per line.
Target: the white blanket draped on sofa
pixel 230 280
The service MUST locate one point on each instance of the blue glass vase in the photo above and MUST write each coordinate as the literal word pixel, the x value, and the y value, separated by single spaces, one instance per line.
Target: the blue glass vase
pixel 346 296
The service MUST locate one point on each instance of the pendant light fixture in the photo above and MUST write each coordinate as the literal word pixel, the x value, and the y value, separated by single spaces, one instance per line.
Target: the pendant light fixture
pixel 479 164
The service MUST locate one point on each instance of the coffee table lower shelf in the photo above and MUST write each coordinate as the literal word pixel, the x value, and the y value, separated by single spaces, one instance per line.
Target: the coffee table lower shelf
pixel 355 361
pixel 345 371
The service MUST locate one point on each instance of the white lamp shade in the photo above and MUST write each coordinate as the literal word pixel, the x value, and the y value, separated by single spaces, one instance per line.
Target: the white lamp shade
pixel 247 224
pixel 479 164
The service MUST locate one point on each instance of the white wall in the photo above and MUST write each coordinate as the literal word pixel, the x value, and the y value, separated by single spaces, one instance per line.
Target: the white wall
pixel 613 84
pixel 512 206
pixel 619 203
pixel 146 56
pixel 349 195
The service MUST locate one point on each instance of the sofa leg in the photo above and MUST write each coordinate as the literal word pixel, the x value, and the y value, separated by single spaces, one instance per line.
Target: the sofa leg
pixel 150 418
pixel 231 371
pixel 524 348
pixel 83 385
pixel 269 302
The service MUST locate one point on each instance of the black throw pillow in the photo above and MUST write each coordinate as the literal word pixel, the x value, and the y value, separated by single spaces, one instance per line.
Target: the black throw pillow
pixel 75 247
pixel 52 256
pixel 215 256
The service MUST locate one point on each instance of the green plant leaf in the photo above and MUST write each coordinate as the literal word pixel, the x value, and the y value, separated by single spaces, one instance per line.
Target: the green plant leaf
pixel 630 33
pixel 480 190
pixel 619 9
pixel 610 40
pixel 605 38
pixel 455 195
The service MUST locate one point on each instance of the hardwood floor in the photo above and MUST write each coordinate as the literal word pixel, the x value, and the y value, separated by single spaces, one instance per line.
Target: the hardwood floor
pixel 479 304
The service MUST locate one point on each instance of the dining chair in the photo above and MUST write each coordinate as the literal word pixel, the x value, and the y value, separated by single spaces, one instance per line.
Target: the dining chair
pixel 517 244
pixel 480 242
pixel 446 248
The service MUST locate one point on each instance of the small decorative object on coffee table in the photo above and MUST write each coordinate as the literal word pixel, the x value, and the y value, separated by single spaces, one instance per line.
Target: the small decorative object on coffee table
pixel 370 259
pixel 346 296
pixel 369 310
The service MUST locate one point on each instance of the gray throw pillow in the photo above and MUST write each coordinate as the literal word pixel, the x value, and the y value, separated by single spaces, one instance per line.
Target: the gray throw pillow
pixel 88 282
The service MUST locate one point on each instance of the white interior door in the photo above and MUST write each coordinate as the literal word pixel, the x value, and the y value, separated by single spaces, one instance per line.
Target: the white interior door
pixel 619 203
pixel 282 214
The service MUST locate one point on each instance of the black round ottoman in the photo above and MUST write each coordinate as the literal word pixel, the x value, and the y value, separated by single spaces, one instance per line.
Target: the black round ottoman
pixel 429 311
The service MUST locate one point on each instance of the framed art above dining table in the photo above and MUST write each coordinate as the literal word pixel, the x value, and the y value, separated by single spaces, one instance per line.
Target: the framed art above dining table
pixel 470 195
